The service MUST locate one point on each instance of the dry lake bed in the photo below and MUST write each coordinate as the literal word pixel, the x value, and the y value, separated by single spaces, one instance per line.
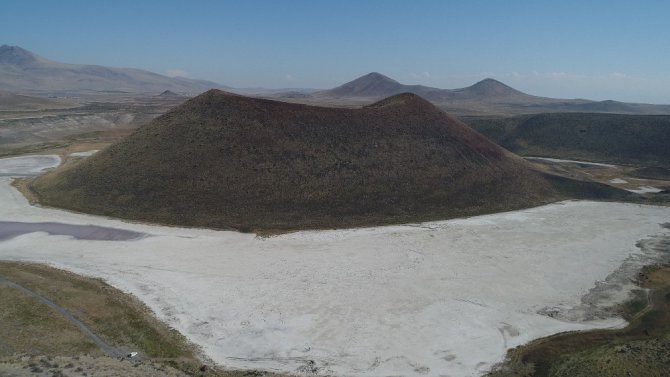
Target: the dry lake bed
pixel 435 299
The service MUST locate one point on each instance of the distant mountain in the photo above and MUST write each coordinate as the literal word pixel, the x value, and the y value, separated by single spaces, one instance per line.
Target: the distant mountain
pixel 371 85
pixel 227 161
pixel 486 97
pixel 377 85
pixel 14 55
pixel 169 94
pixel 23 71
pixel 487 88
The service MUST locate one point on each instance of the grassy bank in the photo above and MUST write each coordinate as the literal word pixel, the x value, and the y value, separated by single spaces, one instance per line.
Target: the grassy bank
pixel 32 331
pixel 640 349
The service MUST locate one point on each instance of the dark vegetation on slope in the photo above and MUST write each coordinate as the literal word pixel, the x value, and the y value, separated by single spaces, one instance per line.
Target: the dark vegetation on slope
pixel 616 138
pixel 227 161
pixel 588 190
pixel 652 172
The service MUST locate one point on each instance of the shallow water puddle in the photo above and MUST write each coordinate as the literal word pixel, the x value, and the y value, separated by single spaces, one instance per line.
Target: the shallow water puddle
pixel 11 229
pixel 27 165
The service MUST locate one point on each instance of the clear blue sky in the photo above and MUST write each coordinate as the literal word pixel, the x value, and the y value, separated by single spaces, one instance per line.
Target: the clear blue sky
pixel 587 49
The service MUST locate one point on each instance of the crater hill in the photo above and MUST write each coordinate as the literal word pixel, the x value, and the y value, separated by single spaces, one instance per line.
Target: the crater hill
pixel 618 138
pixel 222 160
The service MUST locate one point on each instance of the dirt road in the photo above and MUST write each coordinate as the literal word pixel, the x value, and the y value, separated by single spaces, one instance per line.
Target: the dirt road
pixel 104 347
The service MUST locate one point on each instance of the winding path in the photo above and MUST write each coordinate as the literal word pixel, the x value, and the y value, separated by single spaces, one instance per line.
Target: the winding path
pixel 104 347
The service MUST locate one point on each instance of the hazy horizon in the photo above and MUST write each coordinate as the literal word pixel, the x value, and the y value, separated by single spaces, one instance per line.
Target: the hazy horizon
pixel 595 50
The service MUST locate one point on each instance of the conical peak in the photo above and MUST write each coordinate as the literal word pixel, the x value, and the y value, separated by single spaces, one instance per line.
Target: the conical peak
pixel 491 86
pixel 376 76
pixel 16 55
pixel 402 99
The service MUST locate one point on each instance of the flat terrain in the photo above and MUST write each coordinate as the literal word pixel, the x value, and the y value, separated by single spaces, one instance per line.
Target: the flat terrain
pixel 632 179
pixel 11 102
pixel 418 299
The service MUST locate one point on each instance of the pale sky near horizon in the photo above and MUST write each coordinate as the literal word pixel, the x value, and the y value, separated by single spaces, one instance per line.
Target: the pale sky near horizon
pixel 569 49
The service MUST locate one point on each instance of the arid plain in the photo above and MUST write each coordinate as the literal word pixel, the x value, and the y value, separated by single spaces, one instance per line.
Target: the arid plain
pixel 386 297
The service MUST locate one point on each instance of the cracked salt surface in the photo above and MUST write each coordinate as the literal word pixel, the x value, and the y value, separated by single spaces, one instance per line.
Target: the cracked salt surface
pixel 430 299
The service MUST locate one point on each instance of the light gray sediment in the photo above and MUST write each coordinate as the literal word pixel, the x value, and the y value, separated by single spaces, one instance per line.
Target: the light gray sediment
pixel 11 229
pixel 604 299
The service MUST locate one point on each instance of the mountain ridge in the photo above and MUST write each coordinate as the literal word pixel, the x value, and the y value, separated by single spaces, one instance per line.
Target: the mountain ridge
pixel 375 84
pixel 485 97
pixel 25 71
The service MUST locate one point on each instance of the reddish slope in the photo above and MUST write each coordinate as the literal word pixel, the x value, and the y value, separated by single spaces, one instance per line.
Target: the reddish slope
pixel 223 160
